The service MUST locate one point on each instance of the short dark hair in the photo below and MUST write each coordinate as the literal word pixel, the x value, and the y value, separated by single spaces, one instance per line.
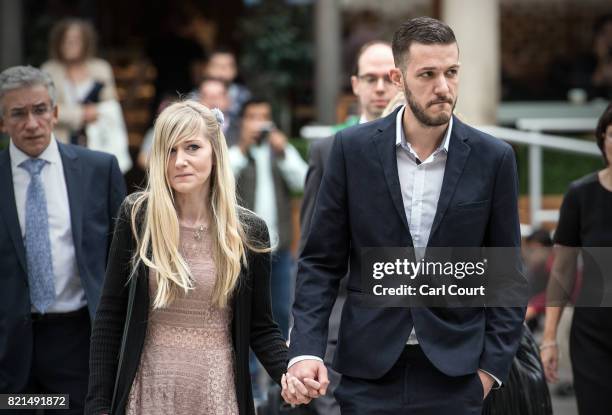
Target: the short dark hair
pixel 253 101
pixel 425 30
pixel 362 50
pixel 600 132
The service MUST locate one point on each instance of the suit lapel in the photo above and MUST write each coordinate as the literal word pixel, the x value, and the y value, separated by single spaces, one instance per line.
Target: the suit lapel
pixel 8 208
pixel 384 143
pixel 458 152
pixel 74 186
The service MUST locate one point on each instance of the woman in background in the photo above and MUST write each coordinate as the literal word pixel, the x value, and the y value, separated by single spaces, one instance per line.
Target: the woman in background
pixel 89 113
pixel 81 79
pixel 585 222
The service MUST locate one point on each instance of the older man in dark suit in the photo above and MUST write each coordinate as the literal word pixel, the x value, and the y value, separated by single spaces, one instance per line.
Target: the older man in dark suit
pixel 417 178
pixel 56 219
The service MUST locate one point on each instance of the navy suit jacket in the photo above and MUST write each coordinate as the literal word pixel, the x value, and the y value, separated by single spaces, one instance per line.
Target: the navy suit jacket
pixel 360 205
pixel 96 189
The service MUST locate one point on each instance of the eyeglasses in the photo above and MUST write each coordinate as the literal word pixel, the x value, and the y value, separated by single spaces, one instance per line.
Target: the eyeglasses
pixel 19 115
pixel 372 80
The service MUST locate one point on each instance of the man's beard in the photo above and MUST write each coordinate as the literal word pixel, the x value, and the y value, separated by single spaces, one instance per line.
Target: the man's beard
pixel 422 117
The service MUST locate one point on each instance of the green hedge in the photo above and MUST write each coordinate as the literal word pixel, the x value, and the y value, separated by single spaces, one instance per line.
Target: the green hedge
pixel 558 169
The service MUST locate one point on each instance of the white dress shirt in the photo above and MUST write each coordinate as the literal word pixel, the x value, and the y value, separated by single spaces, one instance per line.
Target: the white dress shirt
pixel 69 293
pixel 421 183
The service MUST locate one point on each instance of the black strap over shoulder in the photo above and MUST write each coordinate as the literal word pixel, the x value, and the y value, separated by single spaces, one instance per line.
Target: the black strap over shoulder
pixel 128 316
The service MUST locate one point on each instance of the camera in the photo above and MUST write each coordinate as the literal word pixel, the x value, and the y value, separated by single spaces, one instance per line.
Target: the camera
pixel 264 132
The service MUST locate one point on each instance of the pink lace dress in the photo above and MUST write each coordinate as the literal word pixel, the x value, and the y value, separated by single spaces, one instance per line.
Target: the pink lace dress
pixel 187 364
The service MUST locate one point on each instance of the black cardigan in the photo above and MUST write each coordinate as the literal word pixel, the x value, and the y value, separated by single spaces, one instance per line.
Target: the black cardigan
pixel 252 323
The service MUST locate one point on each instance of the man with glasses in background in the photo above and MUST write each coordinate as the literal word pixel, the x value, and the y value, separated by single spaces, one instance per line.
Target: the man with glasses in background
pixel 373 88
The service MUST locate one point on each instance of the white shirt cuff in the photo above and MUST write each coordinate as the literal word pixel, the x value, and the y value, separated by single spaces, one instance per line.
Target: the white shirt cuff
pixel 498 382
pixel 303 357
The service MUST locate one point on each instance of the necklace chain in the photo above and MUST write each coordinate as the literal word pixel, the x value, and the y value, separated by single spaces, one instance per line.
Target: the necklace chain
pixel 197 234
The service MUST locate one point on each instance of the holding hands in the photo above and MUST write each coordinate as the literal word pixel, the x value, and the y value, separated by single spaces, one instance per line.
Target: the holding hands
pixel 304 381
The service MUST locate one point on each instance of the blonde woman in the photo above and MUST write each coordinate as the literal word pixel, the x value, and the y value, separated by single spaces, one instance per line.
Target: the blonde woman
pixel 202 293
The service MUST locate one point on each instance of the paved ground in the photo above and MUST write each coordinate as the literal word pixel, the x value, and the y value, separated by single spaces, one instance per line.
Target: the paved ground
pixel 565 405
pixel 562 405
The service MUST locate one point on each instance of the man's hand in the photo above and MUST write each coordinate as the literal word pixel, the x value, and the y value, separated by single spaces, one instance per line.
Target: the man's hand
pixel 487 382
pixel 278 142
pixel 313 374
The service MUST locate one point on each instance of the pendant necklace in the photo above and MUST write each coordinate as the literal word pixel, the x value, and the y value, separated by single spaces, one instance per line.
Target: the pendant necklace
pixel 197 234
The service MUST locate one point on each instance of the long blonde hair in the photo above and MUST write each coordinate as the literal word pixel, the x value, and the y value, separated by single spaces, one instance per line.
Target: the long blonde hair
pixel 158 236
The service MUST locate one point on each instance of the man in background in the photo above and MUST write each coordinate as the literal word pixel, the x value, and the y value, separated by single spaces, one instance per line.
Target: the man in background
pixel 268 169
pixel 222 65
pixel 56 218
pixel 213 93
pixel 373 88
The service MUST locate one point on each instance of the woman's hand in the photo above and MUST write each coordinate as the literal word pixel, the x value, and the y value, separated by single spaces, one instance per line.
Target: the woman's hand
pixel 294 392
pixel 549 353
pixel 90 113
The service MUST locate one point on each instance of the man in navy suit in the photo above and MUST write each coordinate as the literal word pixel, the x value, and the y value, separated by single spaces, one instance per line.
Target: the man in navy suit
pixel 417 178
pixel 56 220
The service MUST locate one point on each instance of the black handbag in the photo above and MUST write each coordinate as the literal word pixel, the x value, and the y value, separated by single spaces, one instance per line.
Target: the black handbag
pixel 526 391
pixel 93 97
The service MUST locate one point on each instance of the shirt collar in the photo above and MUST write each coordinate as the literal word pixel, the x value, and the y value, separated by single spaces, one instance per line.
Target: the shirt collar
pixel 50 154
pixel 362 119
pixel 400 137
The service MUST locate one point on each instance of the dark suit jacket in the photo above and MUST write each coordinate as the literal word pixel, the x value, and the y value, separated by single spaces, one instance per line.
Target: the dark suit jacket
pixel 360 205
pixel 252 324
pixel 95 191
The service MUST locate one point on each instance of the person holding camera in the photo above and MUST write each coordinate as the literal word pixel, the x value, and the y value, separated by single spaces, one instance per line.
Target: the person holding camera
pixel 268 169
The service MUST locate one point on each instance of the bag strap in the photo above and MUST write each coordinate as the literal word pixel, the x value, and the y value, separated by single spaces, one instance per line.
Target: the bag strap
pixel 128 316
